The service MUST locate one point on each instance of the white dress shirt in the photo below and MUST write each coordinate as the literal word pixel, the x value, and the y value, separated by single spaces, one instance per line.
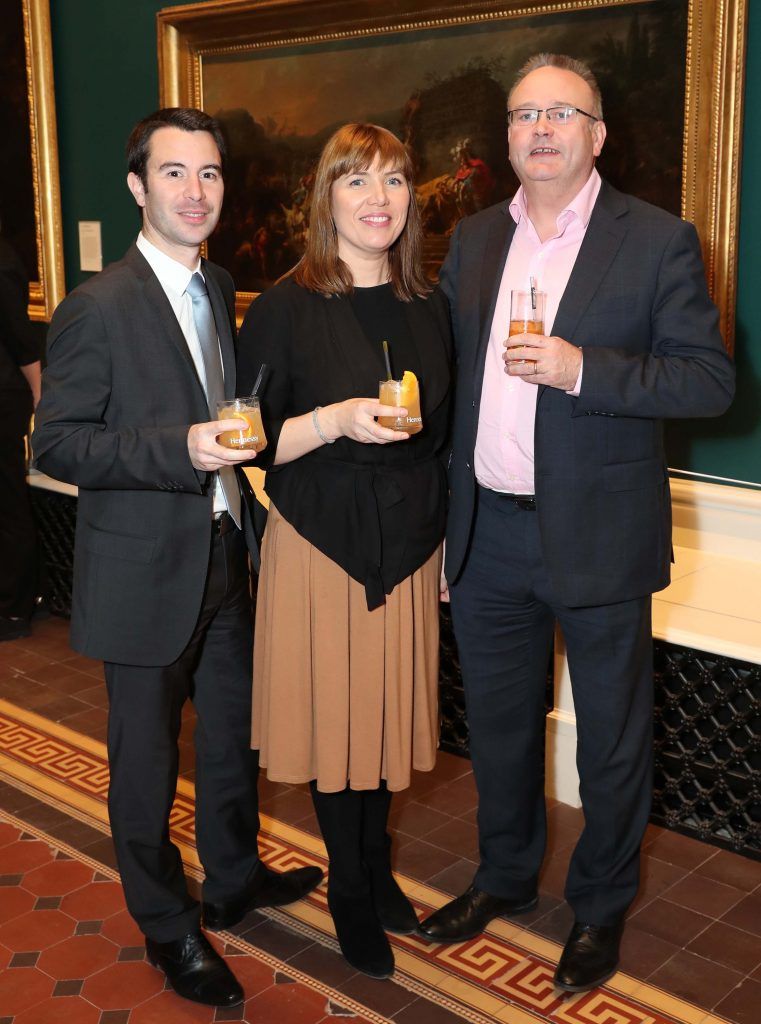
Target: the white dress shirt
pixel 174 278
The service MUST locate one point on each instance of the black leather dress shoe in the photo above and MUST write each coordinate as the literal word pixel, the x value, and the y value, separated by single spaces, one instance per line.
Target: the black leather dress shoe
pixel 195 970
pixel 269 889
pixel 590 956
pixel 468 915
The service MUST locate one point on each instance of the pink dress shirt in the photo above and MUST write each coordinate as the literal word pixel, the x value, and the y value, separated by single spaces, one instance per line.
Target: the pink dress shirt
pixel 504 455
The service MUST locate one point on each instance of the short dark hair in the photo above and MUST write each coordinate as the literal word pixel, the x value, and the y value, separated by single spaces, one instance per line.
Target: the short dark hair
pixel 188 119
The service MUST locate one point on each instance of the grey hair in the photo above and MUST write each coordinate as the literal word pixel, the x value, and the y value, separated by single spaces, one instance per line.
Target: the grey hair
pixel 565 63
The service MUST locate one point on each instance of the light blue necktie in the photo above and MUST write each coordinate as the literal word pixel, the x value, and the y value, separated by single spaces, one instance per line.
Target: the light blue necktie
pixel 206 329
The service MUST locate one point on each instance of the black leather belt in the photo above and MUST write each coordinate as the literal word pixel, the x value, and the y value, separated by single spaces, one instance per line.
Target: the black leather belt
pixel 527 502
pixel 222 524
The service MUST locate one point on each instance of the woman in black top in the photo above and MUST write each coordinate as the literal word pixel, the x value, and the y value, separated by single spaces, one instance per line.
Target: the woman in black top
pixel 346 653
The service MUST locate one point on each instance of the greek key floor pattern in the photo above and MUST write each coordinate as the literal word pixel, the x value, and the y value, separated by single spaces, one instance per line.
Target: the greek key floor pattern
pixel 504 975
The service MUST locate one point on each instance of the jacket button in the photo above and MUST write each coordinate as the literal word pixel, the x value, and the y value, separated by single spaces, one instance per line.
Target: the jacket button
pixel 467 465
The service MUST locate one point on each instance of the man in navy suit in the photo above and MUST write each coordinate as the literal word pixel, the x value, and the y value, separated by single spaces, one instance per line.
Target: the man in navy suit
pixel 137 358
pixel 560 508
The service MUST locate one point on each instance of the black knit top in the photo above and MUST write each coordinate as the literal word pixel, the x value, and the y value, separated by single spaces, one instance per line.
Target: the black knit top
pixel 377 510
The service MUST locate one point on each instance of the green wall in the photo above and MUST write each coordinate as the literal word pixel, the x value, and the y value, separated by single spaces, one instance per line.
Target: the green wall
pixel 106 76
pixel 106 79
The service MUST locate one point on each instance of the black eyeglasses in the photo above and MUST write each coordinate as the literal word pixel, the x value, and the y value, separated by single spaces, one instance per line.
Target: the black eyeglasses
pixel 561 115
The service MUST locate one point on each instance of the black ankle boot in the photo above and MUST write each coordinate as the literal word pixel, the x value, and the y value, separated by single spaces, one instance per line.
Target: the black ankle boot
pixel 360 934
pixel 394 910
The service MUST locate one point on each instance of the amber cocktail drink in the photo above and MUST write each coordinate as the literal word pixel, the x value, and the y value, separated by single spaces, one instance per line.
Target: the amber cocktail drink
pixel 406 394
pixel 250 436
pixel 526 313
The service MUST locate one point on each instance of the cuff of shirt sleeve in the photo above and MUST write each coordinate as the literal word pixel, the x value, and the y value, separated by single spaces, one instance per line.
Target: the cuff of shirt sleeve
pixel 576 390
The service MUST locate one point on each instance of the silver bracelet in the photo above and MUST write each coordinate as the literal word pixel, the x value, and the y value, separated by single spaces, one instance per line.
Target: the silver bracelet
pixel 325 440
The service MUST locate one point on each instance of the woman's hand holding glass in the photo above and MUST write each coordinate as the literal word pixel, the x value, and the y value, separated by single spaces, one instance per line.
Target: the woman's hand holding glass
pixel 355 418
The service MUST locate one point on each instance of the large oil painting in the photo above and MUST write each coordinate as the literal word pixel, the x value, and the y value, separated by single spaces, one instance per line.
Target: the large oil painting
pixel 281 87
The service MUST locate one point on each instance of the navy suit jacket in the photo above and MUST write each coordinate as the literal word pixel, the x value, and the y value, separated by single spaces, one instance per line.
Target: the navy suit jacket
pixel 120 392
pixel 638 305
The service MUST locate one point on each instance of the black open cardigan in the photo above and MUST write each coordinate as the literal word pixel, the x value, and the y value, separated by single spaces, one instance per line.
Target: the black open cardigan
pixel 377 510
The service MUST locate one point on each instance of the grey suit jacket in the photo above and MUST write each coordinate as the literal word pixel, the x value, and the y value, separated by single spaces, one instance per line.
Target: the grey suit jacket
pixel 120 392
pixel 637 303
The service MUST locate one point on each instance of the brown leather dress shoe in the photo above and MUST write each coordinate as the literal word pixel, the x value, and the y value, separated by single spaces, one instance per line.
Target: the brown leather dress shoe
pixel 590 956
pixel 269 889
pixel 195 970
pixel 468 915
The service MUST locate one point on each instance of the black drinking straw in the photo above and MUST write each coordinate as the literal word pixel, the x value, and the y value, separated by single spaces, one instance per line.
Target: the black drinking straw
pixel 532 281
pixel 258 381
pixel 386 357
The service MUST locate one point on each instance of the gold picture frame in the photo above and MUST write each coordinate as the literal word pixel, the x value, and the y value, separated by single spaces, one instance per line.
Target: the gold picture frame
pixel 49 288
pixel 192 36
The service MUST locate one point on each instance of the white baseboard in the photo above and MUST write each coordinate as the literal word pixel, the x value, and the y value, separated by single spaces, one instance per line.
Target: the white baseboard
pixel 717 518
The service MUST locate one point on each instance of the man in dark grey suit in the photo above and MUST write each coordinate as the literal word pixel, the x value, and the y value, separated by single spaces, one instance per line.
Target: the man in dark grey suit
pixel 137 358
pixel 560 508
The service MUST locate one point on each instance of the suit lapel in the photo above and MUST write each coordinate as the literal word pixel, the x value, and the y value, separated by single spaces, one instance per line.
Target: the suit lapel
pixel 605 233
pixel 224 330
pixel 160 306
pixel 498 241
pixel 501 231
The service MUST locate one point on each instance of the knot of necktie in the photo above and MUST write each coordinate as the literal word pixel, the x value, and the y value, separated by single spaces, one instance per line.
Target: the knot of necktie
pixel 196 288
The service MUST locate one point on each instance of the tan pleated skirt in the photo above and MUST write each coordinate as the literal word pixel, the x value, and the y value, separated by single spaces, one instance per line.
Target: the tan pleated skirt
pixel 341 694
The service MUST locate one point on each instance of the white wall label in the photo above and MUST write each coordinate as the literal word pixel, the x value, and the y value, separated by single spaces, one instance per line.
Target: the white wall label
pixel 90 251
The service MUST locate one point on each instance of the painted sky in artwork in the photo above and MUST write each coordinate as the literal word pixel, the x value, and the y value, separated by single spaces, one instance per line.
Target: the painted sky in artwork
pixel 303 89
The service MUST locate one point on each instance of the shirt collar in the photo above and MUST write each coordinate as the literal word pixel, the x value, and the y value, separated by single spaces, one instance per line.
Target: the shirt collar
pixel 580 207
pixel 173 276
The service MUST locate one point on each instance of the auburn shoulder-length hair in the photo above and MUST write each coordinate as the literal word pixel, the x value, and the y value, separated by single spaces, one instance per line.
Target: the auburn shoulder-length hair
pixel 354 148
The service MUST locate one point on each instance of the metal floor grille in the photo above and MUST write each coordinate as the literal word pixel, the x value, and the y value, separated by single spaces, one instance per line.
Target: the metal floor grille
pixel 708 747
pixel 55 516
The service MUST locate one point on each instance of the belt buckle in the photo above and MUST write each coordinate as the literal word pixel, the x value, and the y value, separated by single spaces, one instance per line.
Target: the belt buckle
pixel 528 504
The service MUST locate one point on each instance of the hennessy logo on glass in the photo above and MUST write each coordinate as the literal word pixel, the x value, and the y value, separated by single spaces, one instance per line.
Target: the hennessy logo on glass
pixel 406 394
pixel 250 436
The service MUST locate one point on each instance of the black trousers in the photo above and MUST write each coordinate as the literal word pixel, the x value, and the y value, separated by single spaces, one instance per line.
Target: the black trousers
pixel 18 544
pixel 504 613
pixel 214 671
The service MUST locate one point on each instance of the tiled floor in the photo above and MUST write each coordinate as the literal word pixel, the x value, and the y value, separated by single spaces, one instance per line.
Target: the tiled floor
pixel 694 931
pixel 70 952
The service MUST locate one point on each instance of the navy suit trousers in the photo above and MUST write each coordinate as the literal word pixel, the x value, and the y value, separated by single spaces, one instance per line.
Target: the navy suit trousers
pixel 504 613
